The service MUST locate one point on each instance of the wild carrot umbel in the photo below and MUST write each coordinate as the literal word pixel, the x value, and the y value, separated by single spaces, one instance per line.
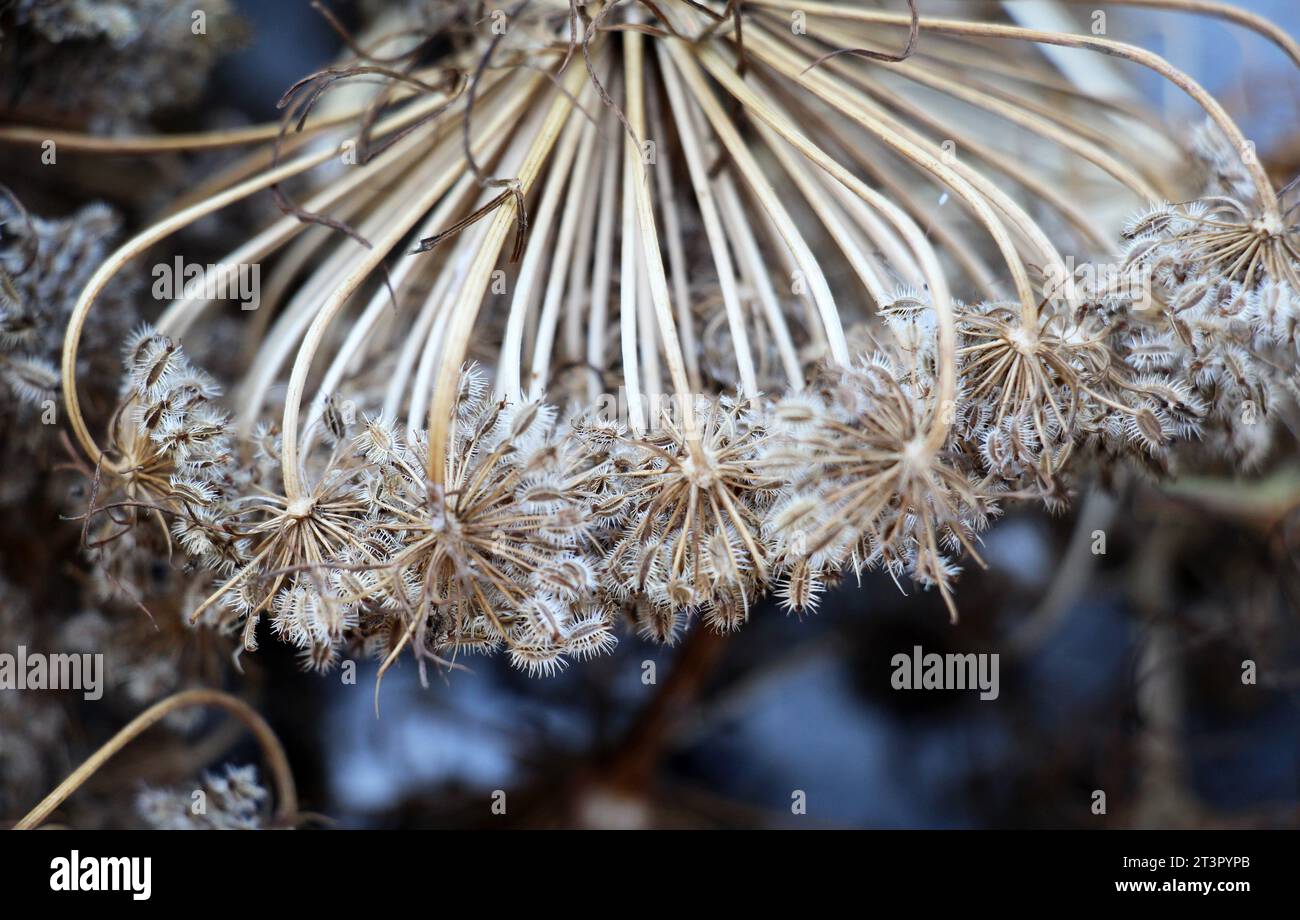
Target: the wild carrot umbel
pixel 628 310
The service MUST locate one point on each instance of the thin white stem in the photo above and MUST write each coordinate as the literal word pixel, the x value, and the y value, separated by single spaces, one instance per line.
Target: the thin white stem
pixel 699 173
pixel 538 255
pixel 576 305
pixel 1264 186
pixel 598 321
pixel 561 264
pixel 628 291
pixel 760 107
pixel 755 273
pixel 754 177
pixel 172 224
pixel 633 74
pixel 970 187
pixel 469 298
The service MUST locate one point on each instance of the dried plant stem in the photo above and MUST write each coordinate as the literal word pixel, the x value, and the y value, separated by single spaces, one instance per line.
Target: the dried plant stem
pixel 758 279
pixel 1227 11
pixel 1067 133
pixel 580 292
pixel 289 266
pixel 713 225
pixel 1067 138
pixel 144 144
pixel 272 751
pixel 179 315
pixel 666 186
pixel 960 55
pixel 602 268
pixel 126 253
pixel 634 74
pixel 974 190
pixel 627 295
pixel 763 108
pixel 381 304
pixel 537 256
pixel 898 257
pixel 1018 171
pixel 1263 185
pixel 469 298
pixel 1104 137
pixel 160 231
pixel 863 265
pixel 455 272
pixel 420 193
pixel 428 338
pixel 647 326
pixel 575 214
pixel 754 177
pixel 325 281
pixel 923 213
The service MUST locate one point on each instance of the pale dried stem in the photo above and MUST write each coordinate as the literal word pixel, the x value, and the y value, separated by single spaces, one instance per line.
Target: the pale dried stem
pixel 160 231
pixel 752 173
pixel 762 108
pixel 563 263
pixel 698 169
pixel 1263 185
pixel 969 186
pixel 469 299
pixel 272 751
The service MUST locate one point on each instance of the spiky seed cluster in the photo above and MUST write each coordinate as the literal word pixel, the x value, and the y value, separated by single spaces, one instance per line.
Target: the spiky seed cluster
pixel 498 555
pixel 43 266
pixel 232 799
pixel 1082 377
pixel 866 490
pixel 1225 281
pixel 168 475
pixel 691 497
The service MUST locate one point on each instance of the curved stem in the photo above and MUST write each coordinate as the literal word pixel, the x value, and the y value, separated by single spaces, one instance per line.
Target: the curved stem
pixel 971 187
pixel 713 228
pixel 1038 125
pixel 652 258
pixel 537 259
pixel 165 228
pixel 1263 185
pixel 762 108
pixel 1225 11
pixel 436 175
pixel 128 251
pixel 602 264
pixel 272 751
pixel 755 178
pixel 142 144
pixel 465 308
pixel 180 314
pixel 577 208
pixel 380 305
pixel 628 292
pixel 755 272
